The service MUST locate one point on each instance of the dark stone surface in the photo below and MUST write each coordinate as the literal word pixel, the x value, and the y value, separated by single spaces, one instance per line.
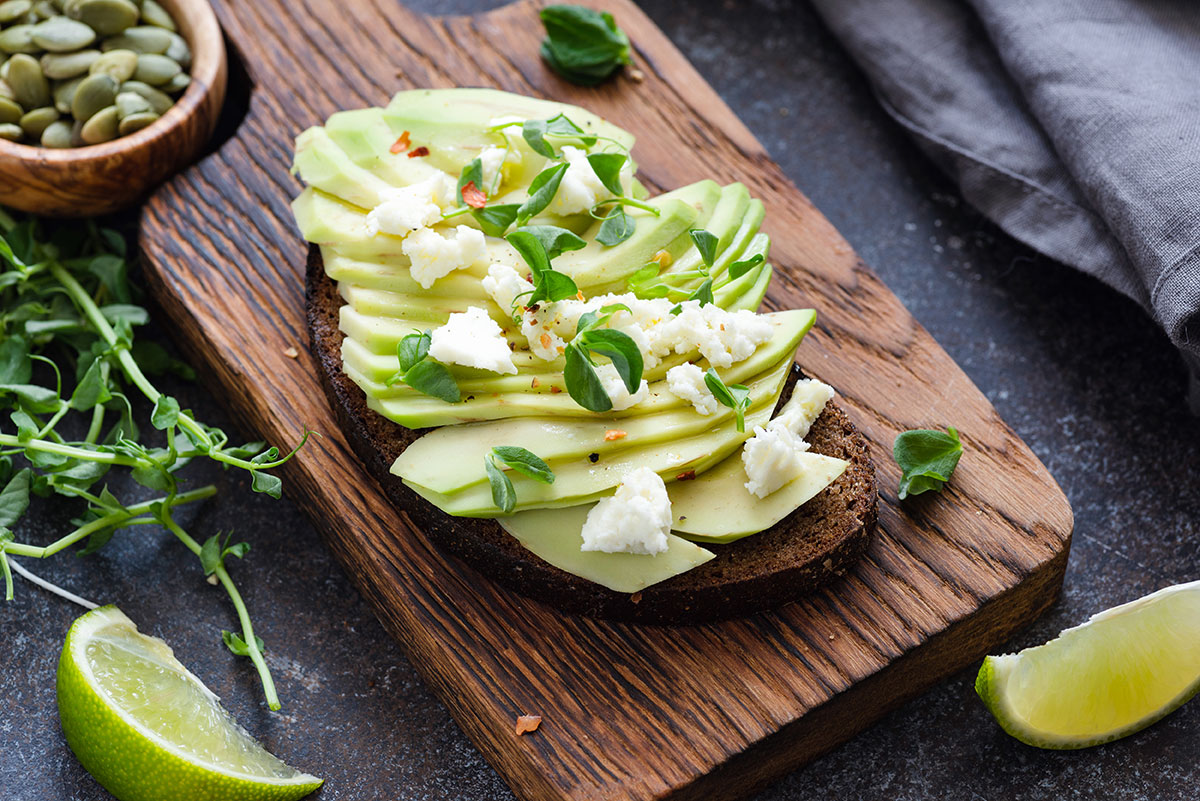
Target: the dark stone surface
pixel 1078 371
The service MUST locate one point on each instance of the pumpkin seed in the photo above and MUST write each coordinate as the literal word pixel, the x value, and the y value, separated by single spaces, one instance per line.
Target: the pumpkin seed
pixel 177 84
pixel 57 134
pixel 159 101
pixel 58 4
pixel 11 132
pixel 44 9
pixel 60 66
pixel 11 10
pixel 6 90
pixel 29 85
pixel 93 93
pixel 106 17
pixel 139 39
pixel 154 14
pixel 155 70
pixel 18 39
pixel 35 122
pixel 131 103
pixel 62 35
pixel 10 112
pixel 179 51
pixel 121 64
pixel 100 127
pixel 64 92
pixel 136 122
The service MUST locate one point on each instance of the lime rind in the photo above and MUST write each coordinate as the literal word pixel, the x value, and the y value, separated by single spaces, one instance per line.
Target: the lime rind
pixel 1123 670
pixel 132 761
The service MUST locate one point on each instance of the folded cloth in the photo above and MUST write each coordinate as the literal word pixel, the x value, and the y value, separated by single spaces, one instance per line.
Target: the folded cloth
pixel 1073 124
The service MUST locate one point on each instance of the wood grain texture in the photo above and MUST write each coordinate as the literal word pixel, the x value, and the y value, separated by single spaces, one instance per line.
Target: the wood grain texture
pixel 629 712
pixel 100 179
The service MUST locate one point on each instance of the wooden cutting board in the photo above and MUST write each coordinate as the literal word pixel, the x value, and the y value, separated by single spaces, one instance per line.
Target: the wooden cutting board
pixel 628 712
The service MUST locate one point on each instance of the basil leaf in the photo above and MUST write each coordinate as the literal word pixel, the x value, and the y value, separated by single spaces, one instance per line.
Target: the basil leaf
pixel 503 494
pixel 534 133
pixel 432 378
pixel 607 167
pixel 616 228
pixel 495 220
pixel 472 173
pixel 541 192
pixel 525 462
pixel 707 244
pixel 624 353
pixel 14 499
pixel 582 45
pixel 166 412
pixel 583 385
pixel 740 268
pixel 926 458
pixel 555 241
pixel 412 349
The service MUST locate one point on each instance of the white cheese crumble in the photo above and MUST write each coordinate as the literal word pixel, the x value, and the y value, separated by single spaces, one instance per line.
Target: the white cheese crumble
pixel 771 456
pixel 580 187
pixel 492 159
pixel 616 390
pixel 721 336
pixel 637 519
pixel 434 254
pixel 472 339
pixel 687 383
pixel 504 284
pixel 410 208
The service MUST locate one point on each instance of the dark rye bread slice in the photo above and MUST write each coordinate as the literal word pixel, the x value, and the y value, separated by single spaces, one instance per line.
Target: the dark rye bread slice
pixel 817 542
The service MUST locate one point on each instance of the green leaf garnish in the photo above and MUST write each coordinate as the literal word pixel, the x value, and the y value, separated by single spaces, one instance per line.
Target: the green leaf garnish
pixel 616 227
pixel 166 412
pixel 555 241
pixel 583 384
pixel 503 494
pixel 549 285
pixel 733 396
pixel 434 379
pixel 607 167
pixel 707 244
pixel 541 192
pixel 621 350
pixel 926 458
pixel 495 220
pixel 582 45
pixel 238 647
pixel 525 462
pixel 703 293
pixel 740 268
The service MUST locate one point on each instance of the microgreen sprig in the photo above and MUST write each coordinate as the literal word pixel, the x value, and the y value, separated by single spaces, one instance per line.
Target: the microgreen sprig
pixel 579 374
pixel 731 396
pixel 421 372
pixel 549 285
pixel 582 45
pixel 926 458
pixel 525 462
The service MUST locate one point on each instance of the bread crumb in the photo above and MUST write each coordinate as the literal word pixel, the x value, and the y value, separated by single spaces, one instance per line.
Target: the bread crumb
pixel 636 598
pixel 528 723
pixel 636 75
pixel 292 353
pixel 613 434
pixel 827 564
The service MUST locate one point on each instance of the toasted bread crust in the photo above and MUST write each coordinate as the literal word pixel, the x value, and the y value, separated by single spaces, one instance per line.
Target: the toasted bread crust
pixel 814 544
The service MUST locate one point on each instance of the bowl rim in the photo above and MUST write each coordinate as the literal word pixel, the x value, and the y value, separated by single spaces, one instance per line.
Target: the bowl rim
pixel 207 44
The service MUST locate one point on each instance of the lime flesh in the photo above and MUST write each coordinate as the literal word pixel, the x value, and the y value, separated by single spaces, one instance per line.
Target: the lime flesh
pixel 146 728
pixel 1119 672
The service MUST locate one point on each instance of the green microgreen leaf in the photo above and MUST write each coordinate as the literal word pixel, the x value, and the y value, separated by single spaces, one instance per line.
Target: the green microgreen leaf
pixel 113 273
pixel 210 554
pixel 91 389
pixel 472 173
pixel 643 275
pixel 598 317
pixel 237 645
pixel 707 244
pixel 266 483
pixel 549 285
pixel 534 132
pixel 412 349
pixel 926 458
pixel 495 220
pixel 525 462
pixel 740 268
pixel 541 192
pixel 607 167
pixel 27 427
pixel 35 398
pixel 14 498
pixel 733 396
pixel 582 45
pixel 503 494
pixel 583 384
pixel 166 412
pixel 624 353
pixel 616 227
pixel 703 293
pixel 555 241
pixel 561 125
pixel 433 379
pixel 15 364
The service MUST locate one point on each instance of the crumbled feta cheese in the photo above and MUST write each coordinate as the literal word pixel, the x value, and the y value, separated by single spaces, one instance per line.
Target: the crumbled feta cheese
pixel 538 330
pixel 722 337
pixel 434 254
pixel 637 519
pixel 473 339
pixel 492 159
pixel 771 455
pixel 412 207
pixel 687 383
pixel 504 285
pixel 580 187
pixel 616 390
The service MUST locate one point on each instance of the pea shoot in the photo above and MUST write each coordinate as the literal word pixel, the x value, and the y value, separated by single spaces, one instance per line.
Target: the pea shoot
pixel 525 462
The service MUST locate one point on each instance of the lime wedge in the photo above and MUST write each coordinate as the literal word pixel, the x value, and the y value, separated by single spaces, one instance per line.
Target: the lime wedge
pixel 1122 670
pixel 148 730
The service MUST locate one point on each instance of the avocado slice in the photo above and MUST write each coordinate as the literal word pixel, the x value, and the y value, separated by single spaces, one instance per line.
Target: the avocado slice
pixel 716 507
pixel 597 265
pixel 366 139
pixel 391 277
pixel 323 165
pixel 556 536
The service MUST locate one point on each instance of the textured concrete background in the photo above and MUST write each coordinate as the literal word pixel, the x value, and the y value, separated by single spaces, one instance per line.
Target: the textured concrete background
pixel 1078 371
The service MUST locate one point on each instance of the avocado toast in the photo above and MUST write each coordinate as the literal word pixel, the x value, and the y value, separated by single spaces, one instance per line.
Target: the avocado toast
pixel 673 428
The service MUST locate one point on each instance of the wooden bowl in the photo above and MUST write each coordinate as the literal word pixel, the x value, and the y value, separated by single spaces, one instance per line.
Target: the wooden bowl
pixel 98 179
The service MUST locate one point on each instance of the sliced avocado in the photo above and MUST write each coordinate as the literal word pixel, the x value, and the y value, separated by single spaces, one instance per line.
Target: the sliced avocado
pixel 554 535
pixel 391 277
pixel 402 305
pixel 367 140
pixel 557 440
pixel 726 220
pixel 753 298
pixel 597 264
pixel 729 293
pixel 322 218
pixel 716 506
pixel 323 165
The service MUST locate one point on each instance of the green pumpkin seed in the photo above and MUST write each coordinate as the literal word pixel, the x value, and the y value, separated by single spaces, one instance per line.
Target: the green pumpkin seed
pixel 58 4
pixel 62 35
pixel 131 103
pixel 179 51
pixel 155 70
pixel 61 66
pixel 140 39
pixel 29 85
pixel 159 101
pixel 12 10
pixel 154 14
pixel 11 132
pixel 121 64
pixel 93 93
pixel 44 9
pixel 106 17
pixel 18 39
pixel 64 93
pixel 6 90
pixel 100 127
pixel 136 122
pixel 57 135
pixel 35 122
pixel 177 84
pixel 10 111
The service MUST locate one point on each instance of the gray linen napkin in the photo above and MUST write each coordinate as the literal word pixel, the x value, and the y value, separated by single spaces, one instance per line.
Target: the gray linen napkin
pixel 1072 124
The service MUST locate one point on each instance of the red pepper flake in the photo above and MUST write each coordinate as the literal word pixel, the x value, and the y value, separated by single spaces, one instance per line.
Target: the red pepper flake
pixel 545 340
pixel 613 434
pixel 401 144
pixel 688 476
pixel 579 294
pixel 473 196
pixel 420 152
pixel 555 390
pixel 528 723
